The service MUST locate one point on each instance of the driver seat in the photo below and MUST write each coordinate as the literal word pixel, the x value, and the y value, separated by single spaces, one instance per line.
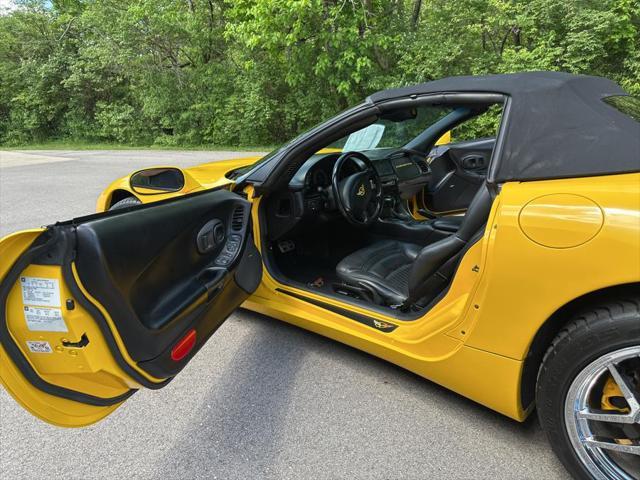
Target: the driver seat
pixel 400 274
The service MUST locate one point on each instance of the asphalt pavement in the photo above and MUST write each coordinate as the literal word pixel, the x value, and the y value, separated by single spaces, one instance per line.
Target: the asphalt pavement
pixel 262 399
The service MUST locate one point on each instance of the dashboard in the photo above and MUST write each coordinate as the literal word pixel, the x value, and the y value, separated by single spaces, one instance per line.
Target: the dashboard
pixel 309 196
pixel 449 176
pixel 401 171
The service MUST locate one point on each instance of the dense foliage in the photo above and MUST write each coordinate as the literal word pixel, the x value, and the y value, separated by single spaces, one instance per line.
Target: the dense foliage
pixel 231 72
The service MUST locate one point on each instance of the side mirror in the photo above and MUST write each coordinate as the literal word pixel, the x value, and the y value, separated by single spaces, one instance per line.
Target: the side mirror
pixel 152 181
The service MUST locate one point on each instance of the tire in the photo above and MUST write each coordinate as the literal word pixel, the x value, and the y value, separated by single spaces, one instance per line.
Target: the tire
pixel 124 203
pixel 593 340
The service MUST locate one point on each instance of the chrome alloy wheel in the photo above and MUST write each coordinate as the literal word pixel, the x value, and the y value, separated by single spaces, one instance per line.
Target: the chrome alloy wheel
pixel 602 415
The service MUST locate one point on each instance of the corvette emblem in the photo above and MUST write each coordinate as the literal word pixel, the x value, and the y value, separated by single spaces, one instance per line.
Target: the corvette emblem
pixel 361 190
pixel 383 325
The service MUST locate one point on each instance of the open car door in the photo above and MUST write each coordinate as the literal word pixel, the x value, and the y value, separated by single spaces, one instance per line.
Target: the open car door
pixel 97 307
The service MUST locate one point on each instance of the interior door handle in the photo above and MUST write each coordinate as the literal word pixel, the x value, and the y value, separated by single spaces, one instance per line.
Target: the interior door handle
pixel 210 235
pixel 213 280
pixel 473 162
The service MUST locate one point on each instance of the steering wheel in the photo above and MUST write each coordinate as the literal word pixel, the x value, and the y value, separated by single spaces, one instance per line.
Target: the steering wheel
pixel 358 195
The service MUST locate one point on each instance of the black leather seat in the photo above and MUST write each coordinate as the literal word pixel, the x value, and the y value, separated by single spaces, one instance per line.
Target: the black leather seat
pixel 450 223
pixel 404 274
pixel 382 268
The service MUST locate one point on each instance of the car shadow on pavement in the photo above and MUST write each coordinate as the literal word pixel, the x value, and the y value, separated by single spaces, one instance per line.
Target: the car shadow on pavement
pixel 244 417
pixel 241 417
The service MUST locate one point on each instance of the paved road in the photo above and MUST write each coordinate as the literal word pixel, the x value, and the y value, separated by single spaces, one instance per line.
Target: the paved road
pixel 262 399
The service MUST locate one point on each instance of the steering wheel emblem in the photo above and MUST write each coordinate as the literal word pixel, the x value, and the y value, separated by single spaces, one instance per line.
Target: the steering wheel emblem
pixel 358 203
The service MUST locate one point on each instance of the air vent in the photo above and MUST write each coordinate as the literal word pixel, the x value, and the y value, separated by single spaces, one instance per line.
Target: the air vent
pixel 237 219
pixel 422 165
pixel 291 169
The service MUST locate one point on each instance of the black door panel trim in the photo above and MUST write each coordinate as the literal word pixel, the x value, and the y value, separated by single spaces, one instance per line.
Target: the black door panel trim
pixel 96 314
pixel 146 269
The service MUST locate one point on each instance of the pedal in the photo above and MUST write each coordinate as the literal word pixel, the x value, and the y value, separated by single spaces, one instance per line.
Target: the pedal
pixel 286 246
pixel 317 283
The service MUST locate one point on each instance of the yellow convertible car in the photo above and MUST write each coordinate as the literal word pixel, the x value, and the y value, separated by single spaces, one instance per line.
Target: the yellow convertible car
pixel 505 268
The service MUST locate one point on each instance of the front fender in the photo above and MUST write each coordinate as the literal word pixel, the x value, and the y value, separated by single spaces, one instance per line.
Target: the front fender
pixel 200 177
pixel 122 186
pixel 104 201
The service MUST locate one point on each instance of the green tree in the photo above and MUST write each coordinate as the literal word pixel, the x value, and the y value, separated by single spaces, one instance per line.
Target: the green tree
pixel 181 72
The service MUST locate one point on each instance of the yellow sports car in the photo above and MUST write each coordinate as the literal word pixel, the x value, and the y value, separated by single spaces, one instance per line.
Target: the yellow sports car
pixel 505 268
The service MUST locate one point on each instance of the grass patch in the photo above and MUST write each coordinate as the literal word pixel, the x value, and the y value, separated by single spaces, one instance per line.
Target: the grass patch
pixel 81 145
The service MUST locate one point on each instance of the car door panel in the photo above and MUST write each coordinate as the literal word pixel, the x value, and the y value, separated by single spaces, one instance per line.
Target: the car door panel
pixel 457 171
pixel 139 291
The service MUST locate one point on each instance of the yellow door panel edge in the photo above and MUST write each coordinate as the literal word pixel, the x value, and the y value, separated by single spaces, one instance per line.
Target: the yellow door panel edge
pixel 14 245
pixel 90 369
pixel 54 410
pixel 61 342
pixel 464 327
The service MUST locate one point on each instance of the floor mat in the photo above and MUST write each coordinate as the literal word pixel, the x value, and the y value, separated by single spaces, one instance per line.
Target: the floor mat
pixel 314 274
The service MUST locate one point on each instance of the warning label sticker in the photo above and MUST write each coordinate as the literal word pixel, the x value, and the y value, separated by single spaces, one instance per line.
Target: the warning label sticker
pixel 40 291
pixel 39 346
pixel 40 319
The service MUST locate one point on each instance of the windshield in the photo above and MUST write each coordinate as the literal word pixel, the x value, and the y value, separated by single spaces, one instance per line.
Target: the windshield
pixel 405 128
pixel 391 131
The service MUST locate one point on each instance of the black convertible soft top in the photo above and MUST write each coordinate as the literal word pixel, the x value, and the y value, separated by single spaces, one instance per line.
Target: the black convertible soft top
pixel 557 124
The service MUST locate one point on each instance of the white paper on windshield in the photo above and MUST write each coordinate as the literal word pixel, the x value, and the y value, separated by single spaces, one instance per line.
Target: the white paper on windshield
pixel 364 139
